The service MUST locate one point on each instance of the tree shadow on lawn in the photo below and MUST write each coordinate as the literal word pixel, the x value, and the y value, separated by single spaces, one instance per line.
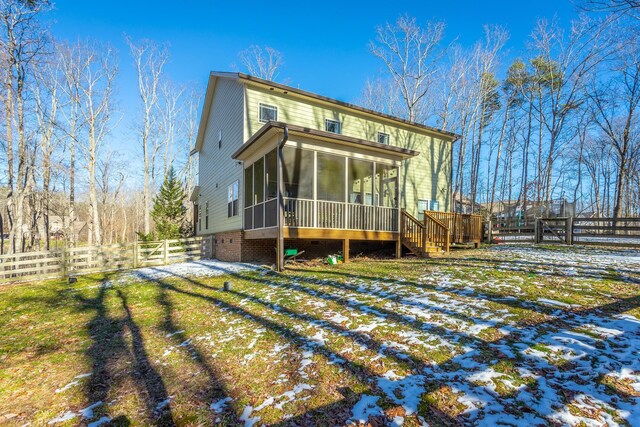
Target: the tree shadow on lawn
pixel 361 372
pixel 485 294
pixel 518 265
pixel 216 387
pixel 107 350
pixel 488 348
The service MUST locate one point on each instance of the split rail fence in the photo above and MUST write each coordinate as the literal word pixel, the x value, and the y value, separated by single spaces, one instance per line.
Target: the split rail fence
pixel 92 259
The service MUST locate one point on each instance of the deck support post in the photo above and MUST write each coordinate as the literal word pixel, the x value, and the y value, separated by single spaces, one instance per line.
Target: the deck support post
pixel 399 248
pixel 345 250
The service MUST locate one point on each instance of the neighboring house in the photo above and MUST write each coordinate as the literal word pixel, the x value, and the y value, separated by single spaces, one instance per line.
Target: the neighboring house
pixel 77 231
pixel 347 172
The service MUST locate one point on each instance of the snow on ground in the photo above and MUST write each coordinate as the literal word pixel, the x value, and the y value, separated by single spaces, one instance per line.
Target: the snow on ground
pixel 579 261
pixel 199 268
pixel 565 364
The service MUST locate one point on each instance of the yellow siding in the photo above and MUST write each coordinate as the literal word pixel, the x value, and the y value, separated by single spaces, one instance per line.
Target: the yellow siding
pixel 426 176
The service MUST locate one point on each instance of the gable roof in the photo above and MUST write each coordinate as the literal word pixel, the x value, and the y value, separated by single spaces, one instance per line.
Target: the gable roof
pixel 215 75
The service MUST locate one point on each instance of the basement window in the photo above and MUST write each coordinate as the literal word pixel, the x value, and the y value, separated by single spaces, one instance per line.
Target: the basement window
pixel 333 126
pixel 383 138
pixel 268 113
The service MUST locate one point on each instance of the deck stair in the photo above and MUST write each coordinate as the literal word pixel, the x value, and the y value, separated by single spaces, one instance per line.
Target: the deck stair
pixel 424 238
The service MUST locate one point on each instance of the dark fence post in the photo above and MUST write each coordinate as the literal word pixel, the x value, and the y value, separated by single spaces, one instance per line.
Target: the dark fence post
pixel 568 232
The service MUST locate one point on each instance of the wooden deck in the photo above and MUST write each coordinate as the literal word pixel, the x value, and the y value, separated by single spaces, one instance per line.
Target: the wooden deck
pixel 438 231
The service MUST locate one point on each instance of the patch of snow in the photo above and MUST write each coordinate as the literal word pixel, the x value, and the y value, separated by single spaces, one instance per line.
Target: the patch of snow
pixel 246 417
pixel 69 415
pixel 367 406
pixel 219 405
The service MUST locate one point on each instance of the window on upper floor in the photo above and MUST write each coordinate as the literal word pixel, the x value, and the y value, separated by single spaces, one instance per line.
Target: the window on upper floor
pixel 333 126
pixel 268 113
pixel 383 138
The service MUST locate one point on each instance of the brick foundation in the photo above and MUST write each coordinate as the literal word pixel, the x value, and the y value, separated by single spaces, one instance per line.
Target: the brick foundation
pixel 228 246
pixel 231 246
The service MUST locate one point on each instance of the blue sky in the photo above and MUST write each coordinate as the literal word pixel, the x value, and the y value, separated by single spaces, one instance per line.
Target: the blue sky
pixel 325 44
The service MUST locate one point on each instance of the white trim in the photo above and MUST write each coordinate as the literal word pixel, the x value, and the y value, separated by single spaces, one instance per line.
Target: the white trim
pixel 267 106
pixel 336 122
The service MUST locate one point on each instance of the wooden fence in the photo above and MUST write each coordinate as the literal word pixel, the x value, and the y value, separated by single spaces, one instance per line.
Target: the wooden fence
pixel 590 231
pixel 570 230
pixel 91 259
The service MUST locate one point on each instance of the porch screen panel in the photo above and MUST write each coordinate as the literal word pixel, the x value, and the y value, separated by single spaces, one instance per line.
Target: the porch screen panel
pixel 248 186
pixel 360 182
pixel 330 177
pixel 297 171
pixel 271 165
pixel 258 181
pixel 248 198
pixel 387 185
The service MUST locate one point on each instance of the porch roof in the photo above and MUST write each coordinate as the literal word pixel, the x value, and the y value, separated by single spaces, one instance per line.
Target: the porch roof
pixel 271 128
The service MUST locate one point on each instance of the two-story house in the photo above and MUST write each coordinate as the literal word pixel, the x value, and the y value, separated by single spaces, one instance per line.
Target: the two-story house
pixel 280 167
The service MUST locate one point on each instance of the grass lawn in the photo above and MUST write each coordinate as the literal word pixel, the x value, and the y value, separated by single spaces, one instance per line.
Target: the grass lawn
pixel 509 334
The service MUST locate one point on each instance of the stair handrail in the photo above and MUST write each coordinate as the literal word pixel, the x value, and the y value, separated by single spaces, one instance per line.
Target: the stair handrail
pixel 438 225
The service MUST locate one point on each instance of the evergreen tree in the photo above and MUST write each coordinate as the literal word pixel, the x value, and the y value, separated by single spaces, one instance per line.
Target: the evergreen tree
pixel 168 208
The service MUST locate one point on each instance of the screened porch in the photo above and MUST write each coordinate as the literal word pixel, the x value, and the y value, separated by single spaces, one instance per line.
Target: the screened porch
pixel 322 190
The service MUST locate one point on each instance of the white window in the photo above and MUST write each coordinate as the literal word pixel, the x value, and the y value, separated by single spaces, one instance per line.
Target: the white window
pixel 332 126
pixel 200 217
pixel 232 200
pixel 206 215
pixel 427 205
pixel 268 113
pixel 423 205
pixel 383 138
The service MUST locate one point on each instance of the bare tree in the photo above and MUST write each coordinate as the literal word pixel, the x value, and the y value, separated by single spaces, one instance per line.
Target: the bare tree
pixel 411 54
pixel 96 90
pixel 21 43
pixel 70 58
pixel 615 108
pixel 625 7
pixel 263 62
pixel 149 60
pixel 170 113
pixel 47 98
pixel 565 62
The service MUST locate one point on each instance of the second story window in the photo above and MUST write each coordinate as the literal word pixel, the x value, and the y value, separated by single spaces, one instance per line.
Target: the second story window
pixel 268 113
pixel 332 126
pixel 383 138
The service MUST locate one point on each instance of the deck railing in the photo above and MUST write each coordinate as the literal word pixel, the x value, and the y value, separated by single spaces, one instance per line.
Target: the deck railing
pixel 437 232
pixel 412 232
pixel 307 213
pixel 463 228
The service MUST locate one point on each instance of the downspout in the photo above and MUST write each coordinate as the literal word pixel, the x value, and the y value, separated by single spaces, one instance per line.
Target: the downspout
pixel 280 243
